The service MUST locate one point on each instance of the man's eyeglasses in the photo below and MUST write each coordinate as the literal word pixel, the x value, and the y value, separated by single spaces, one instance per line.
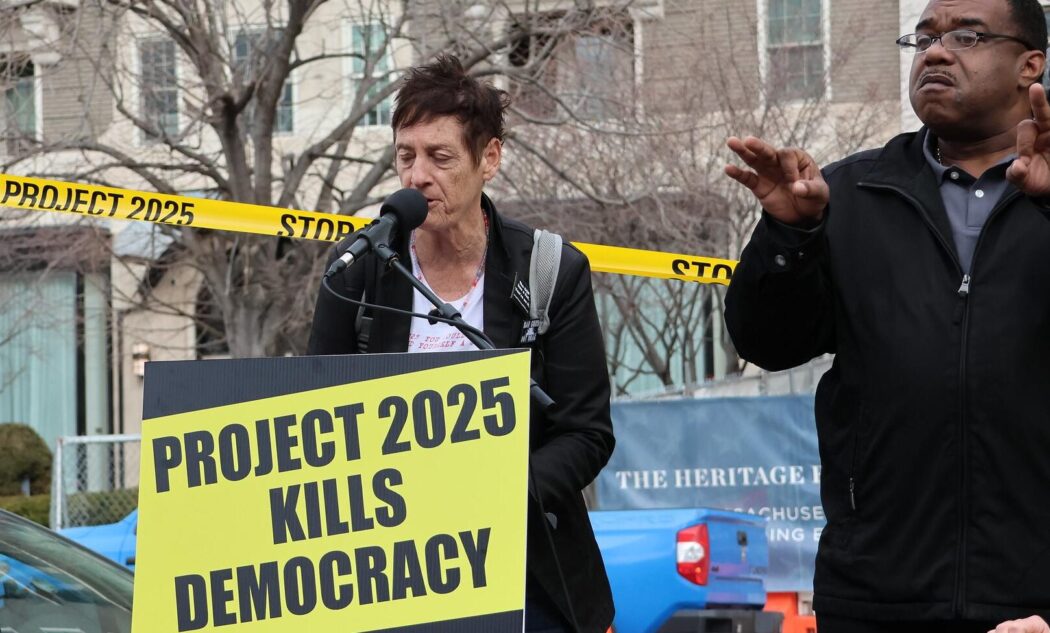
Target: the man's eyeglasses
pixel 952 40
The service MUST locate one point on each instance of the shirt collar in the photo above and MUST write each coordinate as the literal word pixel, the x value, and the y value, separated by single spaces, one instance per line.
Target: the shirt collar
pixel 931 157
pixel 929 151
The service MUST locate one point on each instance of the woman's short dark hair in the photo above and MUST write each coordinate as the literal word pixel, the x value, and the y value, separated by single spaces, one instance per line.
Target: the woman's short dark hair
pixel 444 88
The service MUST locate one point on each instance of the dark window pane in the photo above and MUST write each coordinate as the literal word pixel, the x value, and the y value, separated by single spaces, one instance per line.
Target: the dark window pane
pixel 249 50
pixel 795 48
pixel 777 31
pixel 368 41
pixel 589 71
pixel 285 117
pixel 811 28
pixel 777 10
pixel 796 72
pixel 19 104
pixel 241 47
pixel 160 104
pixel 604 75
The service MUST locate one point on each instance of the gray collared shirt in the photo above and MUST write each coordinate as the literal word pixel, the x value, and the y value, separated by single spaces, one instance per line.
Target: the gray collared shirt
pixel 967 200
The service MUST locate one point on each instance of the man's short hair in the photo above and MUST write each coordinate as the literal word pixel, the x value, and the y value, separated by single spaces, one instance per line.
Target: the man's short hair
pixel 1030 19
pixel 444 88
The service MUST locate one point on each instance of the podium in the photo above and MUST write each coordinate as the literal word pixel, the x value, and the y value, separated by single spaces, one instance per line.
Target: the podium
pixel 383 492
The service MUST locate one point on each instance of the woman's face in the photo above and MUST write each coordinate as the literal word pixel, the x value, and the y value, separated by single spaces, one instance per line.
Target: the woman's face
pixel 432 156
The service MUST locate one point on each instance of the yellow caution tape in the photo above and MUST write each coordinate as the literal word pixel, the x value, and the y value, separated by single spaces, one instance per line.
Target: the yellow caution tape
pixel 641 263
pixel 38 194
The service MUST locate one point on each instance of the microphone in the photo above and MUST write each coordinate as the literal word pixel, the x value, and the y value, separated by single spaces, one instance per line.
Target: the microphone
pixel 404 210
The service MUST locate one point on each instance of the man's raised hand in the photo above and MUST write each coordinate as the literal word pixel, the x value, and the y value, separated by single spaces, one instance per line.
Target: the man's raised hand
pixel 1033 624
pixel 1030 171
pixel 787 182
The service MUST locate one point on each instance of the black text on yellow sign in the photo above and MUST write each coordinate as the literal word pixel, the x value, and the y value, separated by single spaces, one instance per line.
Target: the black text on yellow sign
pixel 359 507
pixel 38 194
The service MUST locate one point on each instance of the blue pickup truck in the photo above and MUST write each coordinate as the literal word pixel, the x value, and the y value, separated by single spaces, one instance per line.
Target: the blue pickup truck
pixel 672 571
pixel 688 570
pixel 115 541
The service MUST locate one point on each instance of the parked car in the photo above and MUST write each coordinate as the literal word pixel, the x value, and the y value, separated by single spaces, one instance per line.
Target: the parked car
pixel 686 570
pixel 49 583
pixel 115 541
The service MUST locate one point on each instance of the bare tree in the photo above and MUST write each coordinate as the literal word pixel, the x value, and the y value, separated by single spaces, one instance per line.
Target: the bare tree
pixel 644 169
pixel 284 104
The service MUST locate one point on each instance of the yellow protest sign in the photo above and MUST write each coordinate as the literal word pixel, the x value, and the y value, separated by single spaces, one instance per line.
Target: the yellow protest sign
pixel 364 493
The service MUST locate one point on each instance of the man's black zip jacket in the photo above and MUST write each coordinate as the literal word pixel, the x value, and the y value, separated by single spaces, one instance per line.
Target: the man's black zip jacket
pixel 934 420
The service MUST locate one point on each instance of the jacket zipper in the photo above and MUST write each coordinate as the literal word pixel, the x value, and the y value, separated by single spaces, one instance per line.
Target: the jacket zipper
pixel 853 462
pixel 958 606
pixel 964 445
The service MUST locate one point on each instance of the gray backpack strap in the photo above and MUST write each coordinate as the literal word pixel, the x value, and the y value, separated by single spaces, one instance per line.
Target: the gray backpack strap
pixel 543 275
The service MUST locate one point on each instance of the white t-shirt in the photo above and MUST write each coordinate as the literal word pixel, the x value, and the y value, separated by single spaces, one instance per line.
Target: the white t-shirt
pixel 442 337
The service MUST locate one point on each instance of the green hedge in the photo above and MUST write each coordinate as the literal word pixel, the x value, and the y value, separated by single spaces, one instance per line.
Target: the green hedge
pixel 97 508
pixel 34 508
pixel 23 455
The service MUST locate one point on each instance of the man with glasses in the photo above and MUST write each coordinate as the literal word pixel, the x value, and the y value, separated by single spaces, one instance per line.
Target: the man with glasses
pixel 924 266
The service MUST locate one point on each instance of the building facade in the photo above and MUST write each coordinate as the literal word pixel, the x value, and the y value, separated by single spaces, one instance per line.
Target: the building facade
pixel 617 137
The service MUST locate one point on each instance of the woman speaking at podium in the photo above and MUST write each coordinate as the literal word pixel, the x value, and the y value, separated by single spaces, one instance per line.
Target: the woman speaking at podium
pixel 448 134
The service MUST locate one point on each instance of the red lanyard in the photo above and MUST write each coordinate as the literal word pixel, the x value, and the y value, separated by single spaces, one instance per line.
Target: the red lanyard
pixel 418 271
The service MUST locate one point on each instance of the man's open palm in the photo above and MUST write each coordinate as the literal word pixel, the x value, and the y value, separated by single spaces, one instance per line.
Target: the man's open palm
pixel 787 182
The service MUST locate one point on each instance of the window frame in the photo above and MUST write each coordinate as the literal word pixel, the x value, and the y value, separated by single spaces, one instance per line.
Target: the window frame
pixel 599 100
pixel 593 105
pixel 354 76
pixel 146 139
pixel 288 89
pixel 765 61
pixel 11 146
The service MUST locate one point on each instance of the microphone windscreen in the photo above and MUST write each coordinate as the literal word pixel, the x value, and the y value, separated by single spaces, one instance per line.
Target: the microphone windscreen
pixel 408 206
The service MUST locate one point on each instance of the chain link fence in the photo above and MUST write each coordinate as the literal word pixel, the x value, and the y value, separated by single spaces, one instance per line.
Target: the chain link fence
pixel 94 479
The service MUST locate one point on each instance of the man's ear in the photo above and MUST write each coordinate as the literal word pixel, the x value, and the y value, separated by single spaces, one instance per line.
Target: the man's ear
pixel 1033 65
pixel 491 158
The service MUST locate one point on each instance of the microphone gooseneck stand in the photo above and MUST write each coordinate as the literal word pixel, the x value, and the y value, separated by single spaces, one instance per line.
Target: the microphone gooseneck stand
pixel 388 257
pixel 448 314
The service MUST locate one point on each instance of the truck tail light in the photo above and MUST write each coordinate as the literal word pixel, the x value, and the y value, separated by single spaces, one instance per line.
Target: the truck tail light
pixel 694 563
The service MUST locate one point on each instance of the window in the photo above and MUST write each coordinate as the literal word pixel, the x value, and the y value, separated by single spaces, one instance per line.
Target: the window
pixel 601 80
pixel 19 117
pixel 54 333
pixel 368 41
pixel 587 68
pixel 160 93
pixel 795 49
pixel 248 49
